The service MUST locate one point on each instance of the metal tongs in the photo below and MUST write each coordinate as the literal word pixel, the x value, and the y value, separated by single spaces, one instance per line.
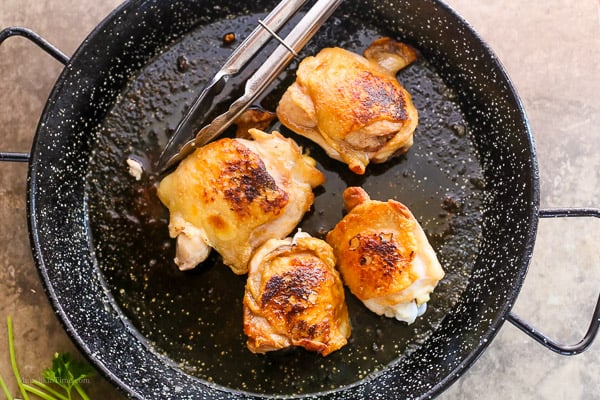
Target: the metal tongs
pixel 183 143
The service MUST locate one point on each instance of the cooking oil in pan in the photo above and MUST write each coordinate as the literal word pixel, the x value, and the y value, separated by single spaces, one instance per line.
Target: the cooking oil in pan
pixel 195 317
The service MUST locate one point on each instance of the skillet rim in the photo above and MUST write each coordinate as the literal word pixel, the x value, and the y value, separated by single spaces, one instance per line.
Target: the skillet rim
pixel 527 253
pixel 70 327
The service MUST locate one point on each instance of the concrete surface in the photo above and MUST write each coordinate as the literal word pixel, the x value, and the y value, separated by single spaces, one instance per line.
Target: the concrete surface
pixel 551 50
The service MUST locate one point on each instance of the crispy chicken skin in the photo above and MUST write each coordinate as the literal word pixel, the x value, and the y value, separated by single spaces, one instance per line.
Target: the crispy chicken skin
pixel 235 194
pixel 384 256
pixel 295 297
pixel 352 106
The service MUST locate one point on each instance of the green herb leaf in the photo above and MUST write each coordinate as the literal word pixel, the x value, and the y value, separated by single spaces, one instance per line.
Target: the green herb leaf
pixel 67 372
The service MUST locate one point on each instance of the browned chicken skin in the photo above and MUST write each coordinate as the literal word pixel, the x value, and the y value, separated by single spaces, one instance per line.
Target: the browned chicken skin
pixel 235 194
pixel 294 297
pixel 352 106
pixel 384 256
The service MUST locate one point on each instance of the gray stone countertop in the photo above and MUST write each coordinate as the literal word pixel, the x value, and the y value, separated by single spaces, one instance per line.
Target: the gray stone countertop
pixel 551 51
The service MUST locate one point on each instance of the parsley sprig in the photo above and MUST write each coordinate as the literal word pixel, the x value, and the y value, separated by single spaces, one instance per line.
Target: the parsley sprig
pixel 60 382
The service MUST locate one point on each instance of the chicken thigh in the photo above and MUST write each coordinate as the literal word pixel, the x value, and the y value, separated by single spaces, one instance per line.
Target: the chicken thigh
pixel 235 194
pixel 384 256
pixel 352 106
pixel 295 297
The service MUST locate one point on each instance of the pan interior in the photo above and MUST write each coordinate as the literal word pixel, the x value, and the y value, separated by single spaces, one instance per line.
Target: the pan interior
pixel 195 318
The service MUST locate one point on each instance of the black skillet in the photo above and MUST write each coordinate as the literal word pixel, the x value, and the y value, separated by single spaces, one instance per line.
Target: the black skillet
pixel 100 239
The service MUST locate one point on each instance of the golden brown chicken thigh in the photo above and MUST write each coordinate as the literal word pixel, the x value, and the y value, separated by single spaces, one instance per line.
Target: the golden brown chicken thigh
pixel 384 256
pixel 295 297
pixel 352 106
pixel 235 194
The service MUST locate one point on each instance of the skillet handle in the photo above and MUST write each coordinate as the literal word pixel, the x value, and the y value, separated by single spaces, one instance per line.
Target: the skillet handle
pixel 48 48
pixel 583 344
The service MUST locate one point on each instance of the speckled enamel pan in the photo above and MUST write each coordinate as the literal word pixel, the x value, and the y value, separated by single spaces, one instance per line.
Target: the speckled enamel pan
pixel 100 240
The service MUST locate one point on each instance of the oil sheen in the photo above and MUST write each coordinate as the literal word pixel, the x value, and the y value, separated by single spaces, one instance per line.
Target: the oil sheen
pixel 194 318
